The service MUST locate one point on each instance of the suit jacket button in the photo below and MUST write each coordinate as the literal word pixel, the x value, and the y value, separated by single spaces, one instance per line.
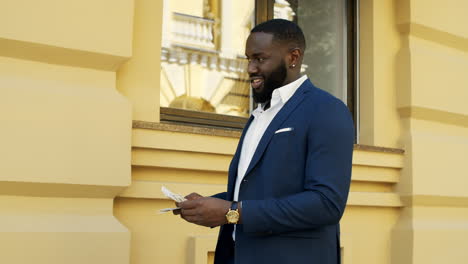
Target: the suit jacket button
pixel 244 180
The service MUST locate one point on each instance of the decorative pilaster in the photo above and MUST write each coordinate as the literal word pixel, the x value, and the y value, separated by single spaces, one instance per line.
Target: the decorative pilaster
pixel 66 131
pixel 432 94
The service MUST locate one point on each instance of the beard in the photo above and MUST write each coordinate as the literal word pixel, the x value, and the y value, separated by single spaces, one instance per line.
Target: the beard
pixel 274 80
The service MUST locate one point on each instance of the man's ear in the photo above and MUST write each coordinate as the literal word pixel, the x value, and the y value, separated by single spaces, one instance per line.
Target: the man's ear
pixel 295 56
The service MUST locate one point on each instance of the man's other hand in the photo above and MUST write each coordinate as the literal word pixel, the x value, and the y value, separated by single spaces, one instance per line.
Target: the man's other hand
pixel 205 211
pixel 192 196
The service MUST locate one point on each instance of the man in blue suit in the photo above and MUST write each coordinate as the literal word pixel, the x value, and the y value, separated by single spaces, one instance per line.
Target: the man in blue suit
pixel 289 179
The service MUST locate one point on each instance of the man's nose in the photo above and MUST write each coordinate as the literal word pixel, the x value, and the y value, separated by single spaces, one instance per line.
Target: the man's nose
pixel 252 68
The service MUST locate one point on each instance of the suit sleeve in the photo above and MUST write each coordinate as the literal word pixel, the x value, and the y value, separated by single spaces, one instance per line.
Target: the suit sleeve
pixel 326 181
pixel 222 195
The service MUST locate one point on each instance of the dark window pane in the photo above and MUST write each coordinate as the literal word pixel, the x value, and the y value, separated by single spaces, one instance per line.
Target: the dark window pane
pixel 324 25
pixel 202 60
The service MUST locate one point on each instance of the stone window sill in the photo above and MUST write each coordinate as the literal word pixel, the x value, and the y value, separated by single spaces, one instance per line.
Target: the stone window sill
pixel 233 133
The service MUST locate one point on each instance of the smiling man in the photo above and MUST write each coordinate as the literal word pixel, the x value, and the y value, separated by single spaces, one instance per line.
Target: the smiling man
pixel 268 69
pixel 289 179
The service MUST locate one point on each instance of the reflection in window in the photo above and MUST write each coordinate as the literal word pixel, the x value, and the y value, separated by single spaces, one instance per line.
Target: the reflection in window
pixel 203 66
pixel 324 27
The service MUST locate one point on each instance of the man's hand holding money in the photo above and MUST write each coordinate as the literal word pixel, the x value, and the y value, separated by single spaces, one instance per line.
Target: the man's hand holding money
pixel 192 196
pixel 194 208
pixel 204 211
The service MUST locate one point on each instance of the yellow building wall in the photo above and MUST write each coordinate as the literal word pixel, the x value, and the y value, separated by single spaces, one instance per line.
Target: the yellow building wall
pixel 136 78
pixel 379 42
pixel 184 161
pixel 188 162
pixel 67 33
pixel 193 8
pixel 432 92
pixel 65 130
pixel 78 184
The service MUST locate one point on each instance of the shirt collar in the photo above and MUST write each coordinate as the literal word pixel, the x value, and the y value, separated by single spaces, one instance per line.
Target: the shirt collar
pixel 282 94
pixel 286 92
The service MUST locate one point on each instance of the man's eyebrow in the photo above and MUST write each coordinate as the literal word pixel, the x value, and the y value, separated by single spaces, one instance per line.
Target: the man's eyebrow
pixel 256 54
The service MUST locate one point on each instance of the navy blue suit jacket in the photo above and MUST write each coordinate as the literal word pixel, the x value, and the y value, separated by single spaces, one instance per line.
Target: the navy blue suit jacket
pixel 295 189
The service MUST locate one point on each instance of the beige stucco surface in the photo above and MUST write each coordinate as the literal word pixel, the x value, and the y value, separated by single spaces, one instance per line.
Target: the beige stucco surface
pixel 78 184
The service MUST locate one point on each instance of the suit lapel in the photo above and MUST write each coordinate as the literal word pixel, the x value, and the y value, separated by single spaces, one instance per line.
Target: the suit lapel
pixel 280 117
pixel 235 160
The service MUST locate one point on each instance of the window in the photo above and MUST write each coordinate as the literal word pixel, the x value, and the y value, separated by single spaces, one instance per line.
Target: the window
pixel 203 72
pixel 329 30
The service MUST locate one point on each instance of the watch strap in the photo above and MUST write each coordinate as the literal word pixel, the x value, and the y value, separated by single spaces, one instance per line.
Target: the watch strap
pixel 234 205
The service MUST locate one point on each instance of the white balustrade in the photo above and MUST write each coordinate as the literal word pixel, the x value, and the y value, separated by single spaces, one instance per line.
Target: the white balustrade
pixel 207 60
pixel 283 10
pixel 193 31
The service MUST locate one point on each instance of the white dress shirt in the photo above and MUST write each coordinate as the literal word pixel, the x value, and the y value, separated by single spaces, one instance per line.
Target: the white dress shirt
pixel 262 119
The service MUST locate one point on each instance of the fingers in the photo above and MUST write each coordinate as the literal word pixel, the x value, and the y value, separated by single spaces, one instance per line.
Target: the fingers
pixel 194 219
pixel 189 215
pixel 190 204
pixel 189 212
pixel 193 196
pixel 206 211
pixel 193 216
pixel 176 212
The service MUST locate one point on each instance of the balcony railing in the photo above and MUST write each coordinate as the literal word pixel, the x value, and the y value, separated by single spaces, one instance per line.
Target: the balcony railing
pixel 191 31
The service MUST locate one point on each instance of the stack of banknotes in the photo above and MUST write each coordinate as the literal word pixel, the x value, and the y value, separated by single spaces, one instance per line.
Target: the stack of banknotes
pixel 173 196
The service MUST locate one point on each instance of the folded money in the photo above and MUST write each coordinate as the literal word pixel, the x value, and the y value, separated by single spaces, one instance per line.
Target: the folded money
pixel 165 210
pixel 173 196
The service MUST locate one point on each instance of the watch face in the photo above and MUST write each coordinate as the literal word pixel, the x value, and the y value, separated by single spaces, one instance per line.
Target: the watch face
pixel 232 216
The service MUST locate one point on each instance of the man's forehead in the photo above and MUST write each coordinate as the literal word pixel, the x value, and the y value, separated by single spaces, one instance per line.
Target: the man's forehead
pixel 261 36
pixel 258 41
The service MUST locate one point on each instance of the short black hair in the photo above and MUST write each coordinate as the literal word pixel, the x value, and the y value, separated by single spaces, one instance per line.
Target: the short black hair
pixel 284 31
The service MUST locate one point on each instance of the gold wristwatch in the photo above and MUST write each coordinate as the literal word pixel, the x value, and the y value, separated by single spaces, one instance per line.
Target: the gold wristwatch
pixel 232 215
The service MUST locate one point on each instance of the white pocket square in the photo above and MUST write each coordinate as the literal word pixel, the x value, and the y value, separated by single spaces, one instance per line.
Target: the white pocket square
pixel 286 129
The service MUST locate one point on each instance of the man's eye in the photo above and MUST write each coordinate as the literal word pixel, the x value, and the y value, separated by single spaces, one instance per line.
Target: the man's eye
pixel 259 60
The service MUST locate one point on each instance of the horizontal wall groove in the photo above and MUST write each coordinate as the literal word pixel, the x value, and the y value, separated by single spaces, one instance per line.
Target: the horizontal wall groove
pixel 435 200
pixel 434 35
pixel 59 55
pixel 152 190
pixel 181 150
pixel 222 132
pixel 376 159
pixel 180 159
pixel 375 199
pixel 158 129
pixel 431 114
pixel 68 190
